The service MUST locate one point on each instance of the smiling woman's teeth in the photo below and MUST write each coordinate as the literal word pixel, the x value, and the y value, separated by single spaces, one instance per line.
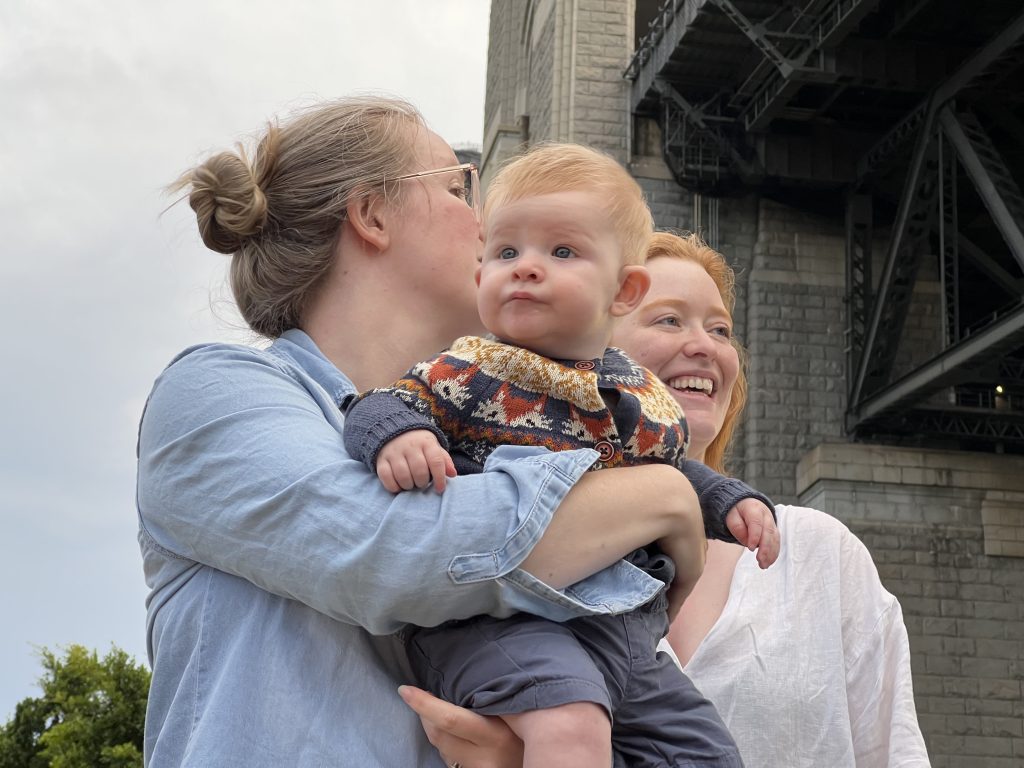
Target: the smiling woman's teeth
pixel 697 383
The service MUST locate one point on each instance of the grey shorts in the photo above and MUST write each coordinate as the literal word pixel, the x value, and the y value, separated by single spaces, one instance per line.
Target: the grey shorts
pixel 523 663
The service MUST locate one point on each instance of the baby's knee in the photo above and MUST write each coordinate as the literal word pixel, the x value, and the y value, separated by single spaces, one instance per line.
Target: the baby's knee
pixel 577 735
pixel 582 719
pixel 580 722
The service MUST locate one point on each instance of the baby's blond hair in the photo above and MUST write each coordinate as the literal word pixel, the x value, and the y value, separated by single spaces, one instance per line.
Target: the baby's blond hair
pixel 552 167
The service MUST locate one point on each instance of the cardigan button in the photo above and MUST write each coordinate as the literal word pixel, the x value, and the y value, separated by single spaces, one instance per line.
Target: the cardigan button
pixel 585 365
pixel 605 450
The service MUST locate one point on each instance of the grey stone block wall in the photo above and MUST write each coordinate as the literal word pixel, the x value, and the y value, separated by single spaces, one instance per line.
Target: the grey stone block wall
pixel 506 62
pixel 922 514
pixel 569 90
pixel 539 90
pixel 502 57
pixel 795 331
pixel 603 46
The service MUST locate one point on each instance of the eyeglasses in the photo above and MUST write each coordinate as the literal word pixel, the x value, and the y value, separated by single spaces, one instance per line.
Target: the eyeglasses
pixel 470 182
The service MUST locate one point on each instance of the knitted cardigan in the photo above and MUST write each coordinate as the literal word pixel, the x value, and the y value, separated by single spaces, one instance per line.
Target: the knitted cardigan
pixel 481 393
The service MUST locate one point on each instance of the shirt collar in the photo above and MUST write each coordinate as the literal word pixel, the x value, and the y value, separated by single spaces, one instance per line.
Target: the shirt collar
pixel 297 347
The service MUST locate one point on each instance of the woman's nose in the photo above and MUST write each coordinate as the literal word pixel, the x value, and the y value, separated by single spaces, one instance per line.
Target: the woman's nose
pixel 698 343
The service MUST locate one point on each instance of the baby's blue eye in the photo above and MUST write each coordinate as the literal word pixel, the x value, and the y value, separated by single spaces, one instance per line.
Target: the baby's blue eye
pixel 507 253
pixel 561 252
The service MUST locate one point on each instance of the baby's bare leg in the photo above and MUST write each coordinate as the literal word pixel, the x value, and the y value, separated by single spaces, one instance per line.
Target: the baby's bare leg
pixel 577 735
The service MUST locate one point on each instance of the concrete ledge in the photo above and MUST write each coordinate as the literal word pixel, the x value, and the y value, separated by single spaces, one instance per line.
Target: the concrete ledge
pixel 910 466
pixel 855 481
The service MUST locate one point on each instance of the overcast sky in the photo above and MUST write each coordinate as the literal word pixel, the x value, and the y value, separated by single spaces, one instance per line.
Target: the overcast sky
pixel 103 104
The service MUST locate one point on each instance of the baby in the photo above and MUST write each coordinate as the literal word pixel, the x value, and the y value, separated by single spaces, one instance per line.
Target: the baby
pixel 566 229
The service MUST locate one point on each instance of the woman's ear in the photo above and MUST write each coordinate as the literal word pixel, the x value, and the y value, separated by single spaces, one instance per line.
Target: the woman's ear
pixel 634 282
pixel 370 219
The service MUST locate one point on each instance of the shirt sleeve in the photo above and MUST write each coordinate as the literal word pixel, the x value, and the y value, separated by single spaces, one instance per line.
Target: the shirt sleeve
pixel 718 494
pixel 378 417
pixel 243 468
pixel 880 693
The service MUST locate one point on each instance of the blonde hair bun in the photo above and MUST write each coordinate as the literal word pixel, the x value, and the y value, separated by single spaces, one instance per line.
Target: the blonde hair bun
pixel 230 206
pixel 278 210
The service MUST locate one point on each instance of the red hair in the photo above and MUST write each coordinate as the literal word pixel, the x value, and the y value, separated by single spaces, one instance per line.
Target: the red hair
pixel 691 247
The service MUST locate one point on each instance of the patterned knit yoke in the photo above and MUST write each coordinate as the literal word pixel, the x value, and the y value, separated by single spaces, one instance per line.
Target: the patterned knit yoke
pixel 482 393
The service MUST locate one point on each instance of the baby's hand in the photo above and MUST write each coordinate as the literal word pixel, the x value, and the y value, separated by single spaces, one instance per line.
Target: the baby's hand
pixel 411 460
pixel 751 522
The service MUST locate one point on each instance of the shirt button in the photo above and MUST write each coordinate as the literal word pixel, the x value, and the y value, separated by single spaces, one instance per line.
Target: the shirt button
pixel 585 365
pixel 605 450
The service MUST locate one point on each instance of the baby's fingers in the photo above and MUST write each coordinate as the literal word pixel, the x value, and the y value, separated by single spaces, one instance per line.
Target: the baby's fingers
pixel 419 468
pixel 737 525
pixel 768 550
pixel 400 471
pixel 755 529
pixel 387 477
pixel 441 468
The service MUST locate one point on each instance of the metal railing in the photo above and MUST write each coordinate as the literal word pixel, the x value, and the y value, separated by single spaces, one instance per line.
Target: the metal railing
pixel 665 15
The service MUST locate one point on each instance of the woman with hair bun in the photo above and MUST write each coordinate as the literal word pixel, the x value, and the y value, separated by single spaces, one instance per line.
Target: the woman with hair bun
pixel 278 567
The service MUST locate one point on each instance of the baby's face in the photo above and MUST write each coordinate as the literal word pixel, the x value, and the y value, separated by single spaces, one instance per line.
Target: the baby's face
pixel 550 273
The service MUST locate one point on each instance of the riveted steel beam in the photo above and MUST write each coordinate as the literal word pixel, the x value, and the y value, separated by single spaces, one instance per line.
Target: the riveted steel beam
pixel 892 299
pixel 996 187
pixel 952 366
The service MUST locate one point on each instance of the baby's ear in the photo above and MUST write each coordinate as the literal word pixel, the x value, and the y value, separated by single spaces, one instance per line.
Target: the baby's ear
pixel 634 282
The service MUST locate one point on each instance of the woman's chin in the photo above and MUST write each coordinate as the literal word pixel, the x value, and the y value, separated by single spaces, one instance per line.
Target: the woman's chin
pixel 700 414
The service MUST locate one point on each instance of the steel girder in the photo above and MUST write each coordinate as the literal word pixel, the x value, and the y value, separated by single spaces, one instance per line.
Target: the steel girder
pixel 1007 43
pixel 960 424
pixel 859 238
pixel 892 299
pixel 949 246
pixel 946 136
pixel 716 134
pixel 655 50
pixel 807 60
pixel 806 51
pixel 696 144
pixel 958 363
pixel 997 188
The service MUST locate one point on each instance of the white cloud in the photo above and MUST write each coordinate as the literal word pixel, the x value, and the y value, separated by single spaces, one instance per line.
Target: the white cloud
pixel 104 104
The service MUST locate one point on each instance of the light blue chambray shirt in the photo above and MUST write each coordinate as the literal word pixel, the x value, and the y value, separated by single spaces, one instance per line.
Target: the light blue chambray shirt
pixel 278 565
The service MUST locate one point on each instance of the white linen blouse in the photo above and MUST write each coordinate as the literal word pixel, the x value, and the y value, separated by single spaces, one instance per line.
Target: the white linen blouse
pixel 809 663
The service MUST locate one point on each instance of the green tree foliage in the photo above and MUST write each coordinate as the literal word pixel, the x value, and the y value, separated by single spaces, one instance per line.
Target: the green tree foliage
pixel 90 715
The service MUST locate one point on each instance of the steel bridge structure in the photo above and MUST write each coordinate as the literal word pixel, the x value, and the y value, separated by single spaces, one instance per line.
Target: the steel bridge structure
pixel 903 118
